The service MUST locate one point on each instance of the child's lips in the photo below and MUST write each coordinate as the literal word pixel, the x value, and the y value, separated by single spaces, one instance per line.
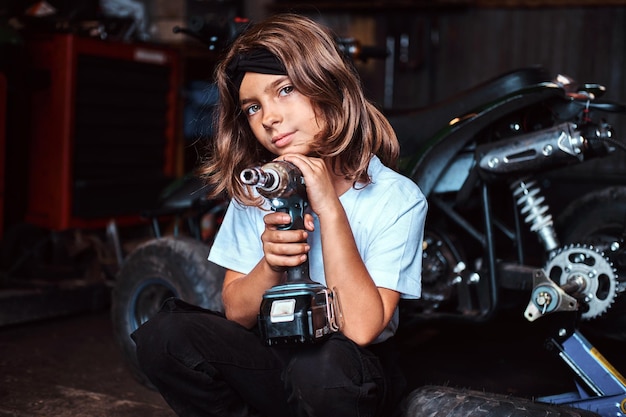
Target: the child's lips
pixel 282 140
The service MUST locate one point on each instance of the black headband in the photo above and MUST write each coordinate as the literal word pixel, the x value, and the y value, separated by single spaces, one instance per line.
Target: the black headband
pixel 258 60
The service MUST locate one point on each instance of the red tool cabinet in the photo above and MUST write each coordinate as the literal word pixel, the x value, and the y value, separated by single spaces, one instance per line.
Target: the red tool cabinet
pixel 104 130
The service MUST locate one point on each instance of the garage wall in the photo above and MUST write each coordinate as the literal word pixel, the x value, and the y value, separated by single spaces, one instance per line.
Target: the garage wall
pixel 440 51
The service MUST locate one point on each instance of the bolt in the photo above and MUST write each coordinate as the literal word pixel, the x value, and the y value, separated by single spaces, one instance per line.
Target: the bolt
pixel 460 267
pixel 547 150
pixel 614 246
pixel 543 298
pixel 562 332
pixel 474 278
pixel 493 162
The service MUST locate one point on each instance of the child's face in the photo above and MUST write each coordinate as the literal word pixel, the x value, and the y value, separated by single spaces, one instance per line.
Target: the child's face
pixel 282 119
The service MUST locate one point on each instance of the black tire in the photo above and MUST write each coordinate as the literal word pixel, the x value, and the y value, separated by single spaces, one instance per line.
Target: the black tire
pixel 599 218
pixel 440 401
pixel 155 271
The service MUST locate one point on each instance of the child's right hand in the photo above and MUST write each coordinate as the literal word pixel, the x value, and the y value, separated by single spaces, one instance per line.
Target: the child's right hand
pixel 284 248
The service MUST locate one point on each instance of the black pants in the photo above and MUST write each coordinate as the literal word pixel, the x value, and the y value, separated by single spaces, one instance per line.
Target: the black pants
pixel 206 365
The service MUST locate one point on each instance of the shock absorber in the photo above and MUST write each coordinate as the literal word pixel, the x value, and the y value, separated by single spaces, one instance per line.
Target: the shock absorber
pixel 532 205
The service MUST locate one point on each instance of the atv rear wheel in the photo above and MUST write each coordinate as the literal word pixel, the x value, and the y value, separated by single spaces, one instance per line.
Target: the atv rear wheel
pixel 441 401
pixel 155 271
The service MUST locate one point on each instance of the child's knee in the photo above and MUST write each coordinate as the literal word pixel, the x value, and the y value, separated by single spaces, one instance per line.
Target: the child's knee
pixel 160 339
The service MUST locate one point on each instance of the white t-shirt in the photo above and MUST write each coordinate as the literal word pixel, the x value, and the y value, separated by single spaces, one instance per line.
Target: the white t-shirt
pixel 387 220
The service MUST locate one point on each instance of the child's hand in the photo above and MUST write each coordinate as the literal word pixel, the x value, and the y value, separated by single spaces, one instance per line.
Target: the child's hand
pixel 284 248
pixel 319 186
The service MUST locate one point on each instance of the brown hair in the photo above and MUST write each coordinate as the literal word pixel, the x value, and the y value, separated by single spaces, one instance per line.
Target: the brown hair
pixel 353 128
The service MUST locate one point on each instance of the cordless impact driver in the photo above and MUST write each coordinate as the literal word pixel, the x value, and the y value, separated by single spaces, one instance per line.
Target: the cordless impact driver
pixel 300 310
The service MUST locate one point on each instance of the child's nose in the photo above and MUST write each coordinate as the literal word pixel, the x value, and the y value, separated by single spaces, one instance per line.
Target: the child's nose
pixel 271 115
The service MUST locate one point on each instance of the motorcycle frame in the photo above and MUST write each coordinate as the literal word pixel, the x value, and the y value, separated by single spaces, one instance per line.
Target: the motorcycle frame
pixel 430 165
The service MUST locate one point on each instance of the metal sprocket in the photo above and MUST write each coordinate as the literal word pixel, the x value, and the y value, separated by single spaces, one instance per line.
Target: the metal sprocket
pixel 587 274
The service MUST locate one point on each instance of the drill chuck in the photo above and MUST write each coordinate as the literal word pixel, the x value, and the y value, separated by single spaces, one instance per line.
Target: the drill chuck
pixel 267 180
pixel 276 179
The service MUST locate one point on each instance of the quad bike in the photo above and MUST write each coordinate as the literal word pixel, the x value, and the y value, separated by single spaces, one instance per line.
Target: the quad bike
pixel 488 216
pixel 480 158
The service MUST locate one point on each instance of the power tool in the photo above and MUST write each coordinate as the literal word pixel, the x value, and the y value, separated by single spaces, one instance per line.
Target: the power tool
pixel 300 311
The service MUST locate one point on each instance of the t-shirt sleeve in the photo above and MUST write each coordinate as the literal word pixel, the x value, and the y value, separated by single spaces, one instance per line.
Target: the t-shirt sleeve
pixel 237 245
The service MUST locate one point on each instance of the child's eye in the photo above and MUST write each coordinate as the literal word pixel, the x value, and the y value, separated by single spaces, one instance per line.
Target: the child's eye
pixel 252 109
pixel 286 90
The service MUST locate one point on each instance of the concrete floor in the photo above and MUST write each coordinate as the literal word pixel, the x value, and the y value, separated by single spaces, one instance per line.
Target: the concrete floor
pixel 70 366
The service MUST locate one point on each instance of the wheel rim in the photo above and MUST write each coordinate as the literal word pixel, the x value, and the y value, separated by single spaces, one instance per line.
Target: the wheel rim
pixel 148 299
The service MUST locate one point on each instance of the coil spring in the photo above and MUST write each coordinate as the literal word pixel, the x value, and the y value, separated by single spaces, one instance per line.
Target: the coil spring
pixel 528 197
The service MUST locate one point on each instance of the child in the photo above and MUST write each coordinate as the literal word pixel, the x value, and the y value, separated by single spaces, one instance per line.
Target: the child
pixel 287 93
